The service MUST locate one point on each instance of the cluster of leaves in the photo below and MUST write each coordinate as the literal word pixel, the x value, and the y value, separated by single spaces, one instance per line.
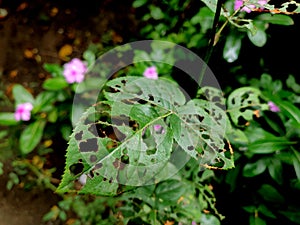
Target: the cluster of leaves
pixel 192 28
pixel 266 145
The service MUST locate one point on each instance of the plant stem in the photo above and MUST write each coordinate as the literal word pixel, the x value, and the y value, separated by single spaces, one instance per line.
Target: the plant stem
pixel 211 42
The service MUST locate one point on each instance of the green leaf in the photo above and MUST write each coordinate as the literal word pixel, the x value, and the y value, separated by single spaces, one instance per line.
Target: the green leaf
pixel 255 220
pixel 54 84
pixel 290 110
pixel 21 95
pixel 89 56
pixel 156 12
pixel 268 146
pixel 275 170
pixel 7 119
pixel 232 47
pixel 139 3
pixel 270 194
pixel 291 83
pixel 254 169
pixel 208 219
pixel 44 101
pixel 293 216
pixel 265 211
pixel 168 192
pixel 259 39
pixel 133 136
pixel 296 164
pixel 31 136
pixel 55 69
pixel 279 19
pixel 242 103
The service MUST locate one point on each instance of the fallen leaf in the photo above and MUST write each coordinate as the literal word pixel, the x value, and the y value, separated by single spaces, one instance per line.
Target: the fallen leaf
pixel 53 11
pixel 65 51
pixel 22 6
pixel 13 73
pixel 28 54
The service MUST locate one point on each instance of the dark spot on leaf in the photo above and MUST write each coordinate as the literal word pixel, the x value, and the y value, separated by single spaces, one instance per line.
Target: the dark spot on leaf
pixel 76 168
pixel 123 82
pixel 140 92
pixel 118 164
pixel 98 166
pixel 190 148
pixel 78 136
pixel 110 180
pixel 90 145
pixel 87 121
pixel 216 99
pixel 117 86
pixel 93 158
pixel 104 179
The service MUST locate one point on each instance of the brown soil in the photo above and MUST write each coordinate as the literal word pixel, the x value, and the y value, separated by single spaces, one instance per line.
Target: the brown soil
pixel 32 34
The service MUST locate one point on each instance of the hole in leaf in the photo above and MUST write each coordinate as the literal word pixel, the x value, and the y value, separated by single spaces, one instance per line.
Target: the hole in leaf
pixel 76 169
pixel 91 174
pixel 291 7
pixel 242 121
pixel 151 151
pixel 151 98
pixel 245 95
pixel 200 118
pixel 205 136
pixel 125 159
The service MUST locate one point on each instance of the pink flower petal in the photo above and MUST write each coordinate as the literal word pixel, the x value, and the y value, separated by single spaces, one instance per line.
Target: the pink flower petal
pixel 151 73
pixel 74 71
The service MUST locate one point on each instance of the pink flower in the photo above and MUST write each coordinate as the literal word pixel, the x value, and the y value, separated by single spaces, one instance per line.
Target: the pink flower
pixel 23 111
pixel 273 107
pixel 151 73
pixel 248 8
pixel 159 129
pixel 74 71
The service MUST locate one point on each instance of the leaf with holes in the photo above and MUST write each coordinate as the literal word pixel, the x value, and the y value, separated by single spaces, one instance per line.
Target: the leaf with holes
pixel 242 103
pixel 130 138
